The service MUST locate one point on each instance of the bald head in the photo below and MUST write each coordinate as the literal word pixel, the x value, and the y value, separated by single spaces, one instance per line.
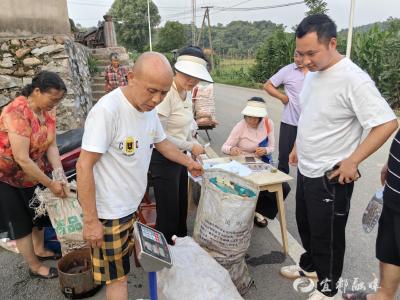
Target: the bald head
pixel 153 64
pixel 149 81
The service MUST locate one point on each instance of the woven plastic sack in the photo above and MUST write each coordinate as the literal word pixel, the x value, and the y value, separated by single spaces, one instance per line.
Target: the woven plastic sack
pixel 65 215
pixel 224 223
pixel 194 275
pixel 204 102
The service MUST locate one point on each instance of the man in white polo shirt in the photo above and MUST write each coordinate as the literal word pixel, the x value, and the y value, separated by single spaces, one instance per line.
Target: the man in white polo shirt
pixel 338 101
pixel 120 133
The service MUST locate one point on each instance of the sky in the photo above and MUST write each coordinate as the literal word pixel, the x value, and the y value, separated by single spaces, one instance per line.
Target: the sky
pixel 89 12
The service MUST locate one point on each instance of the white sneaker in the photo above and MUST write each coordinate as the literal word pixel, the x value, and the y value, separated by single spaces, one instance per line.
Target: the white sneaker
pixel 294 271
pixel 317 295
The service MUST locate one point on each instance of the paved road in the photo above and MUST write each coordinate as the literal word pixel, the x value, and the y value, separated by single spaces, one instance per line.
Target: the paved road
pixel 360 263
pixel 265 251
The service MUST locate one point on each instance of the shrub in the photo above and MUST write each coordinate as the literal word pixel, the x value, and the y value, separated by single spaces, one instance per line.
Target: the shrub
pixel 92 64
pixel 276 52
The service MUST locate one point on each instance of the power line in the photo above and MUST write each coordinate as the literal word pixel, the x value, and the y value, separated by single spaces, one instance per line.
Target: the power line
pixel 240 3
pixel 222 8
pixel 181 18
pixel 259 7
pixel 186 15
pixel 177 8
pixel 179 14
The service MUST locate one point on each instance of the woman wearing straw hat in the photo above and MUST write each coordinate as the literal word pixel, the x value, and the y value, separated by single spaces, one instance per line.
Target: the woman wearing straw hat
pixel 176 115
pixel 255 135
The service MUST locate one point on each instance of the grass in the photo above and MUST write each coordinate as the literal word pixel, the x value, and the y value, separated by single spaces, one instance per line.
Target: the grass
pixel 235 72
pixel 92 63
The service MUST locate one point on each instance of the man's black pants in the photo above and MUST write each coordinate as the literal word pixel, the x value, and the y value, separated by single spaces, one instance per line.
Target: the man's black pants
pixel 287 137
pixel 322 210
pixel 170 182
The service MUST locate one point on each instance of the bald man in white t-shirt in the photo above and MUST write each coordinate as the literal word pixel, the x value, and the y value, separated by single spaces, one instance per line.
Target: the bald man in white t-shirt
pixel 120 133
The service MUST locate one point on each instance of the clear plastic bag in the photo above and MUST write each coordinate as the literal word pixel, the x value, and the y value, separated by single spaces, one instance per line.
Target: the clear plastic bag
pixel 194 275
pixel 373 211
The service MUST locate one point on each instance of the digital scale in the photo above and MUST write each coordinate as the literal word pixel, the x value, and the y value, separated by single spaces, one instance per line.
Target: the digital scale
pixel 152 252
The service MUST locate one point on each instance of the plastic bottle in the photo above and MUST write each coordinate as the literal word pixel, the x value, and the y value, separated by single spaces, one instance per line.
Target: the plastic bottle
pixel 373 211
pixel 274 166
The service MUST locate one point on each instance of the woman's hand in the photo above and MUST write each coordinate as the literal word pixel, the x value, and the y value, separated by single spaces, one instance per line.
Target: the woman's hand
pixel 197 149
pixel 235 151
pixel 260 151
pixel 195 169
pixel 57 188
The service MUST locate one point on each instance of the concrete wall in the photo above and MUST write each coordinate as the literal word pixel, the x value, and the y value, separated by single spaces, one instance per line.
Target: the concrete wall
pixel 22 18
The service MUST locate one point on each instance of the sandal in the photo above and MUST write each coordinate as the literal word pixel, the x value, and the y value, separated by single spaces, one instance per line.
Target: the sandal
pixel 260 220
pixel 53 273
pixel 55 256
pixel 355 296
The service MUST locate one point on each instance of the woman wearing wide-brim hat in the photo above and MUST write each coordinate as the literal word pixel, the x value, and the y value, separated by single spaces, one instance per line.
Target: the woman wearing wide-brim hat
pixel 176 115
pixel 254 135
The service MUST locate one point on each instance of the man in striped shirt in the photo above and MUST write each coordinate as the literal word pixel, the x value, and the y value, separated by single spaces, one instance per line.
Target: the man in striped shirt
pixel 388 239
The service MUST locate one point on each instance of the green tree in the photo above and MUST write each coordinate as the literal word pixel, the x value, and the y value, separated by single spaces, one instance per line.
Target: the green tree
pixel 316 7
pixel 276 52
pixel 239 38
pixel 131 22
pixel 377 52
pixel 171 36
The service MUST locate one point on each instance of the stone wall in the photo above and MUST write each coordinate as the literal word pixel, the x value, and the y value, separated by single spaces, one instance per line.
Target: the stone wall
pixel 79 80
pixel 21 59
pixel 26 18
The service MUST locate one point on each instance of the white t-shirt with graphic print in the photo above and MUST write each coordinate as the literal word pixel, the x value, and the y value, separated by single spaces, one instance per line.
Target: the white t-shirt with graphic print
pixel 125 137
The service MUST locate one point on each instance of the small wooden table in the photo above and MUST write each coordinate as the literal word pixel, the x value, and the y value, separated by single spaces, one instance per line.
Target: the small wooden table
pixel 266 181
pixel 272 182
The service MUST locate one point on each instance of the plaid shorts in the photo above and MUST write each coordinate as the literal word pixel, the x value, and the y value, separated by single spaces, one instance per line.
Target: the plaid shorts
pixel 111 261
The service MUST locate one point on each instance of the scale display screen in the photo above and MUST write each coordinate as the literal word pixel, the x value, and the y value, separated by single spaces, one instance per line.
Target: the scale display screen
pixel 154 247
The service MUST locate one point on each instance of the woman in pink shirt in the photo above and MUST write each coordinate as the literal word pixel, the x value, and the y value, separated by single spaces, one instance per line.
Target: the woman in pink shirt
pixel 254 135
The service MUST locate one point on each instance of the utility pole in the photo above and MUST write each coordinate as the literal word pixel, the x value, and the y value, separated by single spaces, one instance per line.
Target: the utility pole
pixel 194 22
pixel 207 15
pixel 350 30
pixel 148 19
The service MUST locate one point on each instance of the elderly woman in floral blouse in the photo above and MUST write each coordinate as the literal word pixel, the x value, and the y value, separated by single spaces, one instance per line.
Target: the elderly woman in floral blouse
pixel 27 134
